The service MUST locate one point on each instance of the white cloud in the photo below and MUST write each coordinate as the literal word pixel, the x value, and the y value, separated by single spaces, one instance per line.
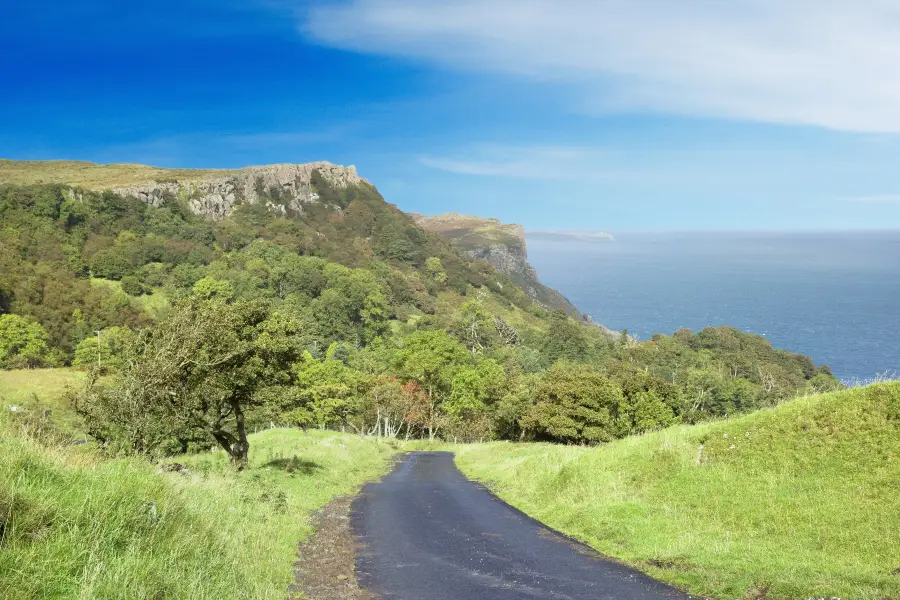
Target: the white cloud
pixel 829 63
pixel 877 198
pixel 560 163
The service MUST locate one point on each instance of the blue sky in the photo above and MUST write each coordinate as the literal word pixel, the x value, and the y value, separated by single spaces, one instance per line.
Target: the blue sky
pixel 613 115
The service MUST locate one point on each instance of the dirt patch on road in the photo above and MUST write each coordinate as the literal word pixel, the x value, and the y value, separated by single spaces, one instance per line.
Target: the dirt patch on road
pixel 325 567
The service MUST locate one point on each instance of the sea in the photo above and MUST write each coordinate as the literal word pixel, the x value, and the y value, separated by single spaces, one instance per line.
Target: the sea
pixel 834 296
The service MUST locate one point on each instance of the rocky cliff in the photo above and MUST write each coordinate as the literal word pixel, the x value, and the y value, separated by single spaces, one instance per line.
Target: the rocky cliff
pixel 500 244
pixel 214 197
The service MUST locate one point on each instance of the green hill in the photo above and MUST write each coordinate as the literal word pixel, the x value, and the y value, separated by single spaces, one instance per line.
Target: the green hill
pixel 798 501
pixel 74 524
pixel 502 245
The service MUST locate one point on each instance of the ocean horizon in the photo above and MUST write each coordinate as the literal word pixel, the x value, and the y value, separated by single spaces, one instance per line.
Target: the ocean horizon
pixel 833 295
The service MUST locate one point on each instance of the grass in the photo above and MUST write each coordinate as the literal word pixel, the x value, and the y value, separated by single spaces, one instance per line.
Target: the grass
pixel 795 502
pixel 155 304
pixel 40 390
pixel 93 176
pixel 79 526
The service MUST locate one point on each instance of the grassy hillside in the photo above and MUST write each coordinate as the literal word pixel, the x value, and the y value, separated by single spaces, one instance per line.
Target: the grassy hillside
pixel 91 175
pixel 73 525
pixel 794 502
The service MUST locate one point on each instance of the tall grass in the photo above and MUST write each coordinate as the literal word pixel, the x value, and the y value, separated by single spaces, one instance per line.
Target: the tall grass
pixel 798 501
pixel 78 526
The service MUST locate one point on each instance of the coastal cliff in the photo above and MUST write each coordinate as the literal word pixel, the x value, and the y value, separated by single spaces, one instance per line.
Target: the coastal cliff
pixel 215 197
pixel 500 244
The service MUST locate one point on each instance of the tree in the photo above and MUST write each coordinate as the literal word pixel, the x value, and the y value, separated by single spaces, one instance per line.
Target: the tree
pixel 574 404
pixel 131 285
pixel 435 269
pixel 328 390
pixel 474 326
pixel 565 339
pixel 431 359
pixel 23 343
pixel 197 370
pixel 109 349
pixel 210 287
pixel 649 412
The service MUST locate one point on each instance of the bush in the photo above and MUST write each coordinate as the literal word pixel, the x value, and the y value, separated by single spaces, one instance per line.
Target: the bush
pixel 23 343
pixel 132 286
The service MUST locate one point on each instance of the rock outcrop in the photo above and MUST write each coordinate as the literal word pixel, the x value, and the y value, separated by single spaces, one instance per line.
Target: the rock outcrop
pixel 216 196
pixel 500 244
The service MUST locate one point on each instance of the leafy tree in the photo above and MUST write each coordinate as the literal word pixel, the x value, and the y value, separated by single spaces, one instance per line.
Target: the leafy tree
pixel 474 326
pixel 23 343
pixel 435 269
pixel 328 391
pixel 197 370
pixel 210 287
pixel 648 412
pixel 105 352
pixel 431 359
pixel 566 340
pixel 574 404
pixel 132 286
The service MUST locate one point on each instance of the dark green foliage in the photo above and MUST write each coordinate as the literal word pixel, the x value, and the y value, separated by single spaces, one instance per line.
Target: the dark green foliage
pixel 575 404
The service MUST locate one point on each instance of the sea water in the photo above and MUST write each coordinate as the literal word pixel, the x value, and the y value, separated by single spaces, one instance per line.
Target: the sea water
pixel 834 296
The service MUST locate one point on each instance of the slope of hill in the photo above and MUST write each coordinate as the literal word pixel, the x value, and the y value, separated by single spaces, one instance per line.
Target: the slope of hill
pixel 74 524
pixel 798 501
pixel 502 245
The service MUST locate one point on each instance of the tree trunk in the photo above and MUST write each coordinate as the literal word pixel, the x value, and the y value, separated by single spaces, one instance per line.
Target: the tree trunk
pixel 240 449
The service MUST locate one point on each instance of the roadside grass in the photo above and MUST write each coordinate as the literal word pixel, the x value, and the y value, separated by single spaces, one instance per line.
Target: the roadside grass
pixel 798 501
pixel 76 525
pixel 42 390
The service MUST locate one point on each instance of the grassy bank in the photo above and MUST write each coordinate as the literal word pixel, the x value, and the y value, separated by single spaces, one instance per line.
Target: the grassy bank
pixel 795 502
pixel 75 525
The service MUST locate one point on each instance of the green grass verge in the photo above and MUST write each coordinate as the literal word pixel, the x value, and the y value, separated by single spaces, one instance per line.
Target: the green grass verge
pixel 79 526
pixel 795 502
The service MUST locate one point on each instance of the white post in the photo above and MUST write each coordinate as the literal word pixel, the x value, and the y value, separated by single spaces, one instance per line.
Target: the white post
pixel 99 351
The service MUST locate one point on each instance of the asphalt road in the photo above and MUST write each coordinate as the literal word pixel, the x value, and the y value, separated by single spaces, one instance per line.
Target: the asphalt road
pixel 428 533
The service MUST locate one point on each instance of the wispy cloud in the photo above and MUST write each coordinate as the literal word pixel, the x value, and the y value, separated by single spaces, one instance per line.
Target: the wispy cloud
pixel 560 163
pixel 877 198
pixel 826 63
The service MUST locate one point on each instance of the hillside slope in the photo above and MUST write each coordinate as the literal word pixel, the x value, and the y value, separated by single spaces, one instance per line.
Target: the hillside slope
pixel 798 501
pixel 502 245
pixel 75 525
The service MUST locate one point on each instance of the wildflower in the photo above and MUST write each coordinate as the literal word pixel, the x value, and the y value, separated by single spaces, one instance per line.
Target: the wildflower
pixel 725 435
pixel 731 447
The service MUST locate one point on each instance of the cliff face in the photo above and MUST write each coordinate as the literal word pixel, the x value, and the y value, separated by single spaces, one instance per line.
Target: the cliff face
pixel 215 196
pixel 500 244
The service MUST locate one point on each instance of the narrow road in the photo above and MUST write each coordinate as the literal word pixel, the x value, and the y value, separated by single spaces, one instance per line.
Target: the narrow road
pixel 428 533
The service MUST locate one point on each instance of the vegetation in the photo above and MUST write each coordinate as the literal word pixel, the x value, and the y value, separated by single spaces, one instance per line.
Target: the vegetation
pixel 177 336
pixel 76 525
pixel 340 317
pixel 794 502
